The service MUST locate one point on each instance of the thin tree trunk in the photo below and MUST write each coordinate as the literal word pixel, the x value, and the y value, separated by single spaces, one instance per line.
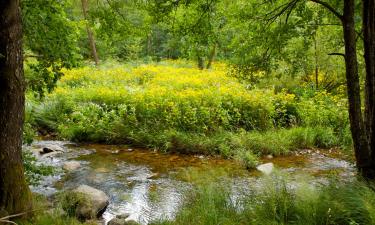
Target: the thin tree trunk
pixel 211 57
pixel 15 195
pixel 369 47
pixel 200 62
pixel 149 44
pixel 316 63
pixel 89 33
pixel 361 147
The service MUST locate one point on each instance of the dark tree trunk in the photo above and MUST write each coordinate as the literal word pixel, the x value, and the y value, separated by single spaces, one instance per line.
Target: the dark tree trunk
pixel 357 126
pixel 369 47
pixel 211 57
pixel 200 62
pixel 89 33
pixel 14 192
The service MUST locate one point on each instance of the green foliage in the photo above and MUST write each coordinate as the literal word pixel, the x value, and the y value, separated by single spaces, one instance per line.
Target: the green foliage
pixel 50 38
pixel 34 170
pixel 174 108
pixel 276 201
pixel 47 214
pixel 70 200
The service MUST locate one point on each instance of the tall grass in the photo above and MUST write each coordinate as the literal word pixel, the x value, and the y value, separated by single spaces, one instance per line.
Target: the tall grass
pixel 278 201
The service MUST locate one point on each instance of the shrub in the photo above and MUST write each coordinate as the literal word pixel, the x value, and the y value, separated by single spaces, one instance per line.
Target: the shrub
pixel 183 109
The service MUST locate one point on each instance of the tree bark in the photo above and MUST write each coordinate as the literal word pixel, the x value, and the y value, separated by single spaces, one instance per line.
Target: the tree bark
pixel 89 33
pixel 15 195
pixel 368 26
pixel 211 57
pixel 357 126
pixel 200 61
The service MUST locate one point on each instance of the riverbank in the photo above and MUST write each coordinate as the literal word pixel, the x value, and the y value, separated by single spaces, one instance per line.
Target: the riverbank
pixel 176 108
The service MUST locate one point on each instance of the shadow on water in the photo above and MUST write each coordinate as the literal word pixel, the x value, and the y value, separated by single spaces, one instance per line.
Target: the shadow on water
pixel 151 185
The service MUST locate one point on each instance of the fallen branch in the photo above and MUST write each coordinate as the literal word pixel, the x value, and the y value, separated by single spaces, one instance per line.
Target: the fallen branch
pixel 5 219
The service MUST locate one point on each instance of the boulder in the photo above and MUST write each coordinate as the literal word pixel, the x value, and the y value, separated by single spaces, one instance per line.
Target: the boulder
pixel 96 202
pixel 71 166
pixel 266 168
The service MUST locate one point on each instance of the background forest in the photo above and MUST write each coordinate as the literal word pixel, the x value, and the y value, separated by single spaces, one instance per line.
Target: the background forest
pixel 246 82
pixel 278 70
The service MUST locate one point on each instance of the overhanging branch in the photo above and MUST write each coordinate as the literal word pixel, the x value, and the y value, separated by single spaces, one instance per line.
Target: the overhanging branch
pixel 337 53
pixel 330 8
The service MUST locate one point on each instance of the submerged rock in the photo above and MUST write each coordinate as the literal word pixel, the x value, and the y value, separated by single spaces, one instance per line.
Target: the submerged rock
pixel 51 148
pixel 96 204
pixel 123 216
pixel 71 166
pixel 153 176
pixel 118 221
pixel 266 168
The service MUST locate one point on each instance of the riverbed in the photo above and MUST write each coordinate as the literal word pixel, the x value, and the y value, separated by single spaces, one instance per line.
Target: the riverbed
pixel 151 185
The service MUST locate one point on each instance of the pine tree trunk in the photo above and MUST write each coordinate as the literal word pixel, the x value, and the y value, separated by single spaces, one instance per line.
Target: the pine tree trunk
pixel 357 126
pixel 14 192
pixel 89 33
pixel 369 47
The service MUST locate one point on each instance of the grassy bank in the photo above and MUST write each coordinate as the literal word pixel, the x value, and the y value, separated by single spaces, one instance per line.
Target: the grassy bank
pixel 172 107
pixel 276 201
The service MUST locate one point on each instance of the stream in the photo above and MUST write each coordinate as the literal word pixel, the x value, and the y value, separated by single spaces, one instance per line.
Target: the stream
pixel 150 185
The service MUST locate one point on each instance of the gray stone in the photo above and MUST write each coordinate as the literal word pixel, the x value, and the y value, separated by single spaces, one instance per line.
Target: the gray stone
pixel 71 166
pixel 266 168
pixel 96 204
pixel 51 148
pixel 51 154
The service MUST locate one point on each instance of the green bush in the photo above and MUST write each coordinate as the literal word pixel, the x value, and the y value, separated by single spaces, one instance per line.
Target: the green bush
pixel 34 171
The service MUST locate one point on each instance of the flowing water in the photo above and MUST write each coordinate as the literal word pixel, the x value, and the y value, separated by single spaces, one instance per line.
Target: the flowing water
pixel 150 185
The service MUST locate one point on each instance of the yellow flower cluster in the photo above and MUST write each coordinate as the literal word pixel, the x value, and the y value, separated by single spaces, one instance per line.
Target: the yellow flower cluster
pixel 183 97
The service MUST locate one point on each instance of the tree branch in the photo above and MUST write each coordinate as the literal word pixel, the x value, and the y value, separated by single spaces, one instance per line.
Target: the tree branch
pixel 337 53
pixel 330 8
pixel 286 8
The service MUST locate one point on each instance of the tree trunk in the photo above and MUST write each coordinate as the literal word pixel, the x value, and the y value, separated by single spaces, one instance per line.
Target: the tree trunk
pixel 361 147
pixel 369 47
pixel 200 62
pixel 89 33
pixel 149 44
pixel 211 57
pixel 15 195
pixel 316 63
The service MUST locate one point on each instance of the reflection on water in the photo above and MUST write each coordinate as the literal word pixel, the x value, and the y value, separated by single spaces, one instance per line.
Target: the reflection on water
pixel 150 185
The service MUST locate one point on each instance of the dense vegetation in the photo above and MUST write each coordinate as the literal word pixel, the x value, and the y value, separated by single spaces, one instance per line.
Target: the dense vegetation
pixel 237 79
pixel 173 107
